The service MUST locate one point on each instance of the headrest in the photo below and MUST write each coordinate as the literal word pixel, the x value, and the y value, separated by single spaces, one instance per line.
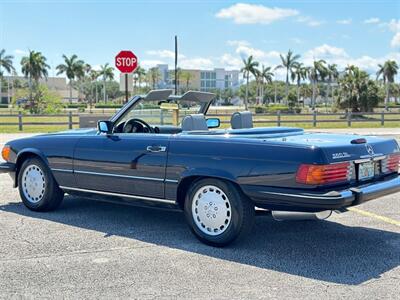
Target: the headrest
pixel 242 119
pixel 194 122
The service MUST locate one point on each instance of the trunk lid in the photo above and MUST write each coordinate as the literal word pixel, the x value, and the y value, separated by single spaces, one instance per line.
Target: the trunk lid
pixel 343 147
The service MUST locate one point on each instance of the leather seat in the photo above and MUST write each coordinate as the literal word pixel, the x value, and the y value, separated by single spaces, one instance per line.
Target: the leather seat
pixel 243 119
pixel 194 122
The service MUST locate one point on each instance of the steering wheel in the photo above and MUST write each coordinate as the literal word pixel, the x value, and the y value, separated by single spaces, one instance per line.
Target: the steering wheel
pixel 140 125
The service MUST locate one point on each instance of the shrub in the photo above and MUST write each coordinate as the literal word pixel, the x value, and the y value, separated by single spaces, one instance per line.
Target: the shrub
pixel 75 105
pixel 107 105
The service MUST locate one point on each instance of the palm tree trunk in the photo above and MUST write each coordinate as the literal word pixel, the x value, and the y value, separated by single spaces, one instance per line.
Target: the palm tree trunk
pixel 275 93
pixel 387 96
pixel 30 88
pixel 104 90
pixel 8 91
pixel 247 92
pixel 70 92
pixel 313 95
pixel 97 95
pixel 298 93
pixel 287 86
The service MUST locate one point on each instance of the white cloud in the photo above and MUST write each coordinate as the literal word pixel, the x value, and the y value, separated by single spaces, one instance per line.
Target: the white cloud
pixel 395 42
pixel 150 63
pixel 243 13
pixel 230 62
pixel 196 63
pixel 164 53
pixel 20 52
pixel 237 43
pixel 372 21
pixel 325 52
pixel 344 21
pixel 246 51
pixel 394 25
pixel 335 55
pixel 309 21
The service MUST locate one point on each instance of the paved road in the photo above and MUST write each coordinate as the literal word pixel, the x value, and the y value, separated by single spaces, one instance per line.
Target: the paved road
pixel 90 249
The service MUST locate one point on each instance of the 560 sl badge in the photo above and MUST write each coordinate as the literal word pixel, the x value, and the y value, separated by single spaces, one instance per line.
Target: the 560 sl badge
pixel 340 155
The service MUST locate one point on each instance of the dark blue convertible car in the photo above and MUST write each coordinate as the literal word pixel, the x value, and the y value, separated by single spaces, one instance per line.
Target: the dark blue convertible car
pixel 217 177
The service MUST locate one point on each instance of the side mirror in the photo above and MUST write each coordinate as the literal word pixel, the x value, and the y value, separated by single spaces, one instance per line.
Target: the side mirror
pixel 213 123
pixel 104 127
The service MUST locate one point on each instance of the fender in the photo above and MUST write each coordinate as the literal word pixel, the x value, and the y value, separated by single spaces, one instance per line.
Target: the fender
pixel 23 153
pixel 207 172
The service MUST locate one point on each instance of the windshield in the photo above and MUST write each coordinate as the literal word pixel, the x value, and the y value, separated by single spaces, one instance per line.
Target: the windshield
pixel 161 112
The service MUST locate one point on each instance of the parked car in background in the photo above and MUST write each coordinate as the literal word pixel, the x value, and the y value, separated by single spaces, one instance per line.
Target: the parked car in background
pixel 216 177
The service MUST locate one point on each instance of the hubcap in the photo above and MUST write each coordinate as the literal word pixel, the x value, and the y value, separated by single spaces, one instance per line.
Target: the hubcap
pixel 33 183
pixel 211 210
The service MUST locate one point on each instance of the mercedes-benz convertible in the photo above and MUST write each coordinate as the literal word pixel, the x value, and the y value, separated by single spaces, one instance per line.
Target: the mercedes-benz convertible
pixel 147 154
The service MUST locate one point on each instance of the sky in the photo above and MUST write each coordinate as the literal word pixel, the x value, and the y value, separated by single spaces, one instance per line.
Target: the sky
pixel 210 33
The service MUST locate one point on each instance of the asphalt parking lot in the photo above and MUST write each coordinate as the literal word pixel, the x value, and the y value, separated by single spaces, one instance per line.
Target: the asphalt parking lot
pixel 89 249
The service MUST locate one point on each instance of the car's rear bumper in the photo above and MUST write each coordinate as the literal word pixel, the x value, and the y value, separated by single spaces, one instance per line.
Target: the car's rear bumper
pixel 299 200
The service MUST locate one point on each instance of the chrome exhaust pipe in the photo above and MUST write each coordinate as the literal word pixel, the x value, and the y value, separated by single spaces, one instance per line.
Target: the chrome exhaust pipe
pixel 280 215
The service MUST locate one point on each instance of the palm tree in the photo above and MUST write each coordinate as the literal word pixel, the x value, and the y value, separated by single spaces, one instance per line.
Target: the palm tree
pixel 332 75
pixel 7 64
pixel 317 72
pixel 108 73
pixel 187 77
pixel 287 63
pixel 248 68
pixel 388 71
pixel 154 76
pixel 93 75
pixel 265 76
pixel 73 68
pixel 139 73
pixel 34 67
pixel 298 73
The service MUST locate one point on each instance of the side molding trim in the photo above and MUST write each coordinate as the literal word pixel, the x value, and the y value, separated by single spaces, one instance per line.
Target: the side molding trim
pixel 168 201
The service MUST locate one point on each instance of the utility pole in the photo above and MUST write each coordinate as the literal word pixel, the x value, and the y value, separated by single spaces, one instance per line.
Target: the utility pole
pixel 176 65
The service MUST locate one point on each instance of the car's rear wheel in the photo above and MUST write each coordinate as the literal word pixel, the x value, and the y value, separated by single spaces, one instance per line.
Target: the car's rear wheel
pixel 37 187
pixel 217 212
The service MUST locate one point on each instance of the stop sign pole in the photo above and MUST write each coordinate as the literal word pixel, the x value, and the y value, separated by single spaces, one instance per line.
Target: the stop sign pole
pixel 126 62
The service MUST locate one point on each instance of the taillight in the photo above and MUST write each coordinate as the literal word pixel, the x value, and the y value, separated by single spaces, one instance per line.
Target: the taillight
pixel 324 174
pixel 392 163
pixel 5 153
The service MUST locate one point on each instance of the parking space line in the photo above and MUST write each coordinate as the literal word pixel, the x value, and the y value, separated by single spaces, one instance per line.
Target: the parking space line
pixel 375 216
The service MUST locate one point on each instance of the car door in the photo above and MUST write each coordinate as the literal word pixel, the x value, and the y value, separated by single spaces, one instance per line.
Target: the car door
pixel 122 163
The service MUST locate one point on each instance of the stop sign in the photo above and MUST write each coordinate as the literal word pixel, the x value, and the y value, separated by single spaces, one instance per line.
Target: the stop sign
pixel 126 61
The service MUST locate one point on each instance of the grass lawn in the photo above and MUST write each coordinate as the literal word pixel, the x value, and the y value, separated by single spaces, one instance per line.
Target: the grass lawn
pixel 294 121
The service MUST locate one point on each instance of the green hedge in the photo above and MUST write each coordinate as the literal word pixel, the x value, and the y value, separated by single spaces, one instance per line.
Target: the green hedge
pixel 76 105
pixel 107 105
pixel 260 109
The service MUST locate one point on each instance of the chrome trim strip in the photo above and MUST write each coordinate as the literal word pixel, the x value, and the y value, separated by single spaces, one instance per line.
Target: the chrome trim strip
pixel 379 158
pixel 119 195
pixel 62 170
pixel 171 181
pixel 344 194
pixel 360 161
pixel 121 176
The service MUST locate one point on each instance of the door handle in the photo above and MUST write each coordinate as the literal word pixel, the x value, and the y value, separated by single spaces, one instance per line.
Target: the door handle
pixel 156 148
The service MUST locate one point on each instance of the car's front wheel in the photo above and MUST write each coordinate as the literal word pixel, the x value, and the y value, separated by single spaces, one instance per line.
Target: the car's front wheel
pixel 37 187
pixel 217 212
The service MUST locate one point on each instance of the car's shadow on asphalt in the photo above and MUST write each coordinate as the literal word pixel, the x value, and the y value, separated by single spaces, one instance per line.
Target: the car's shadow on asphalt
pixel 321 250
